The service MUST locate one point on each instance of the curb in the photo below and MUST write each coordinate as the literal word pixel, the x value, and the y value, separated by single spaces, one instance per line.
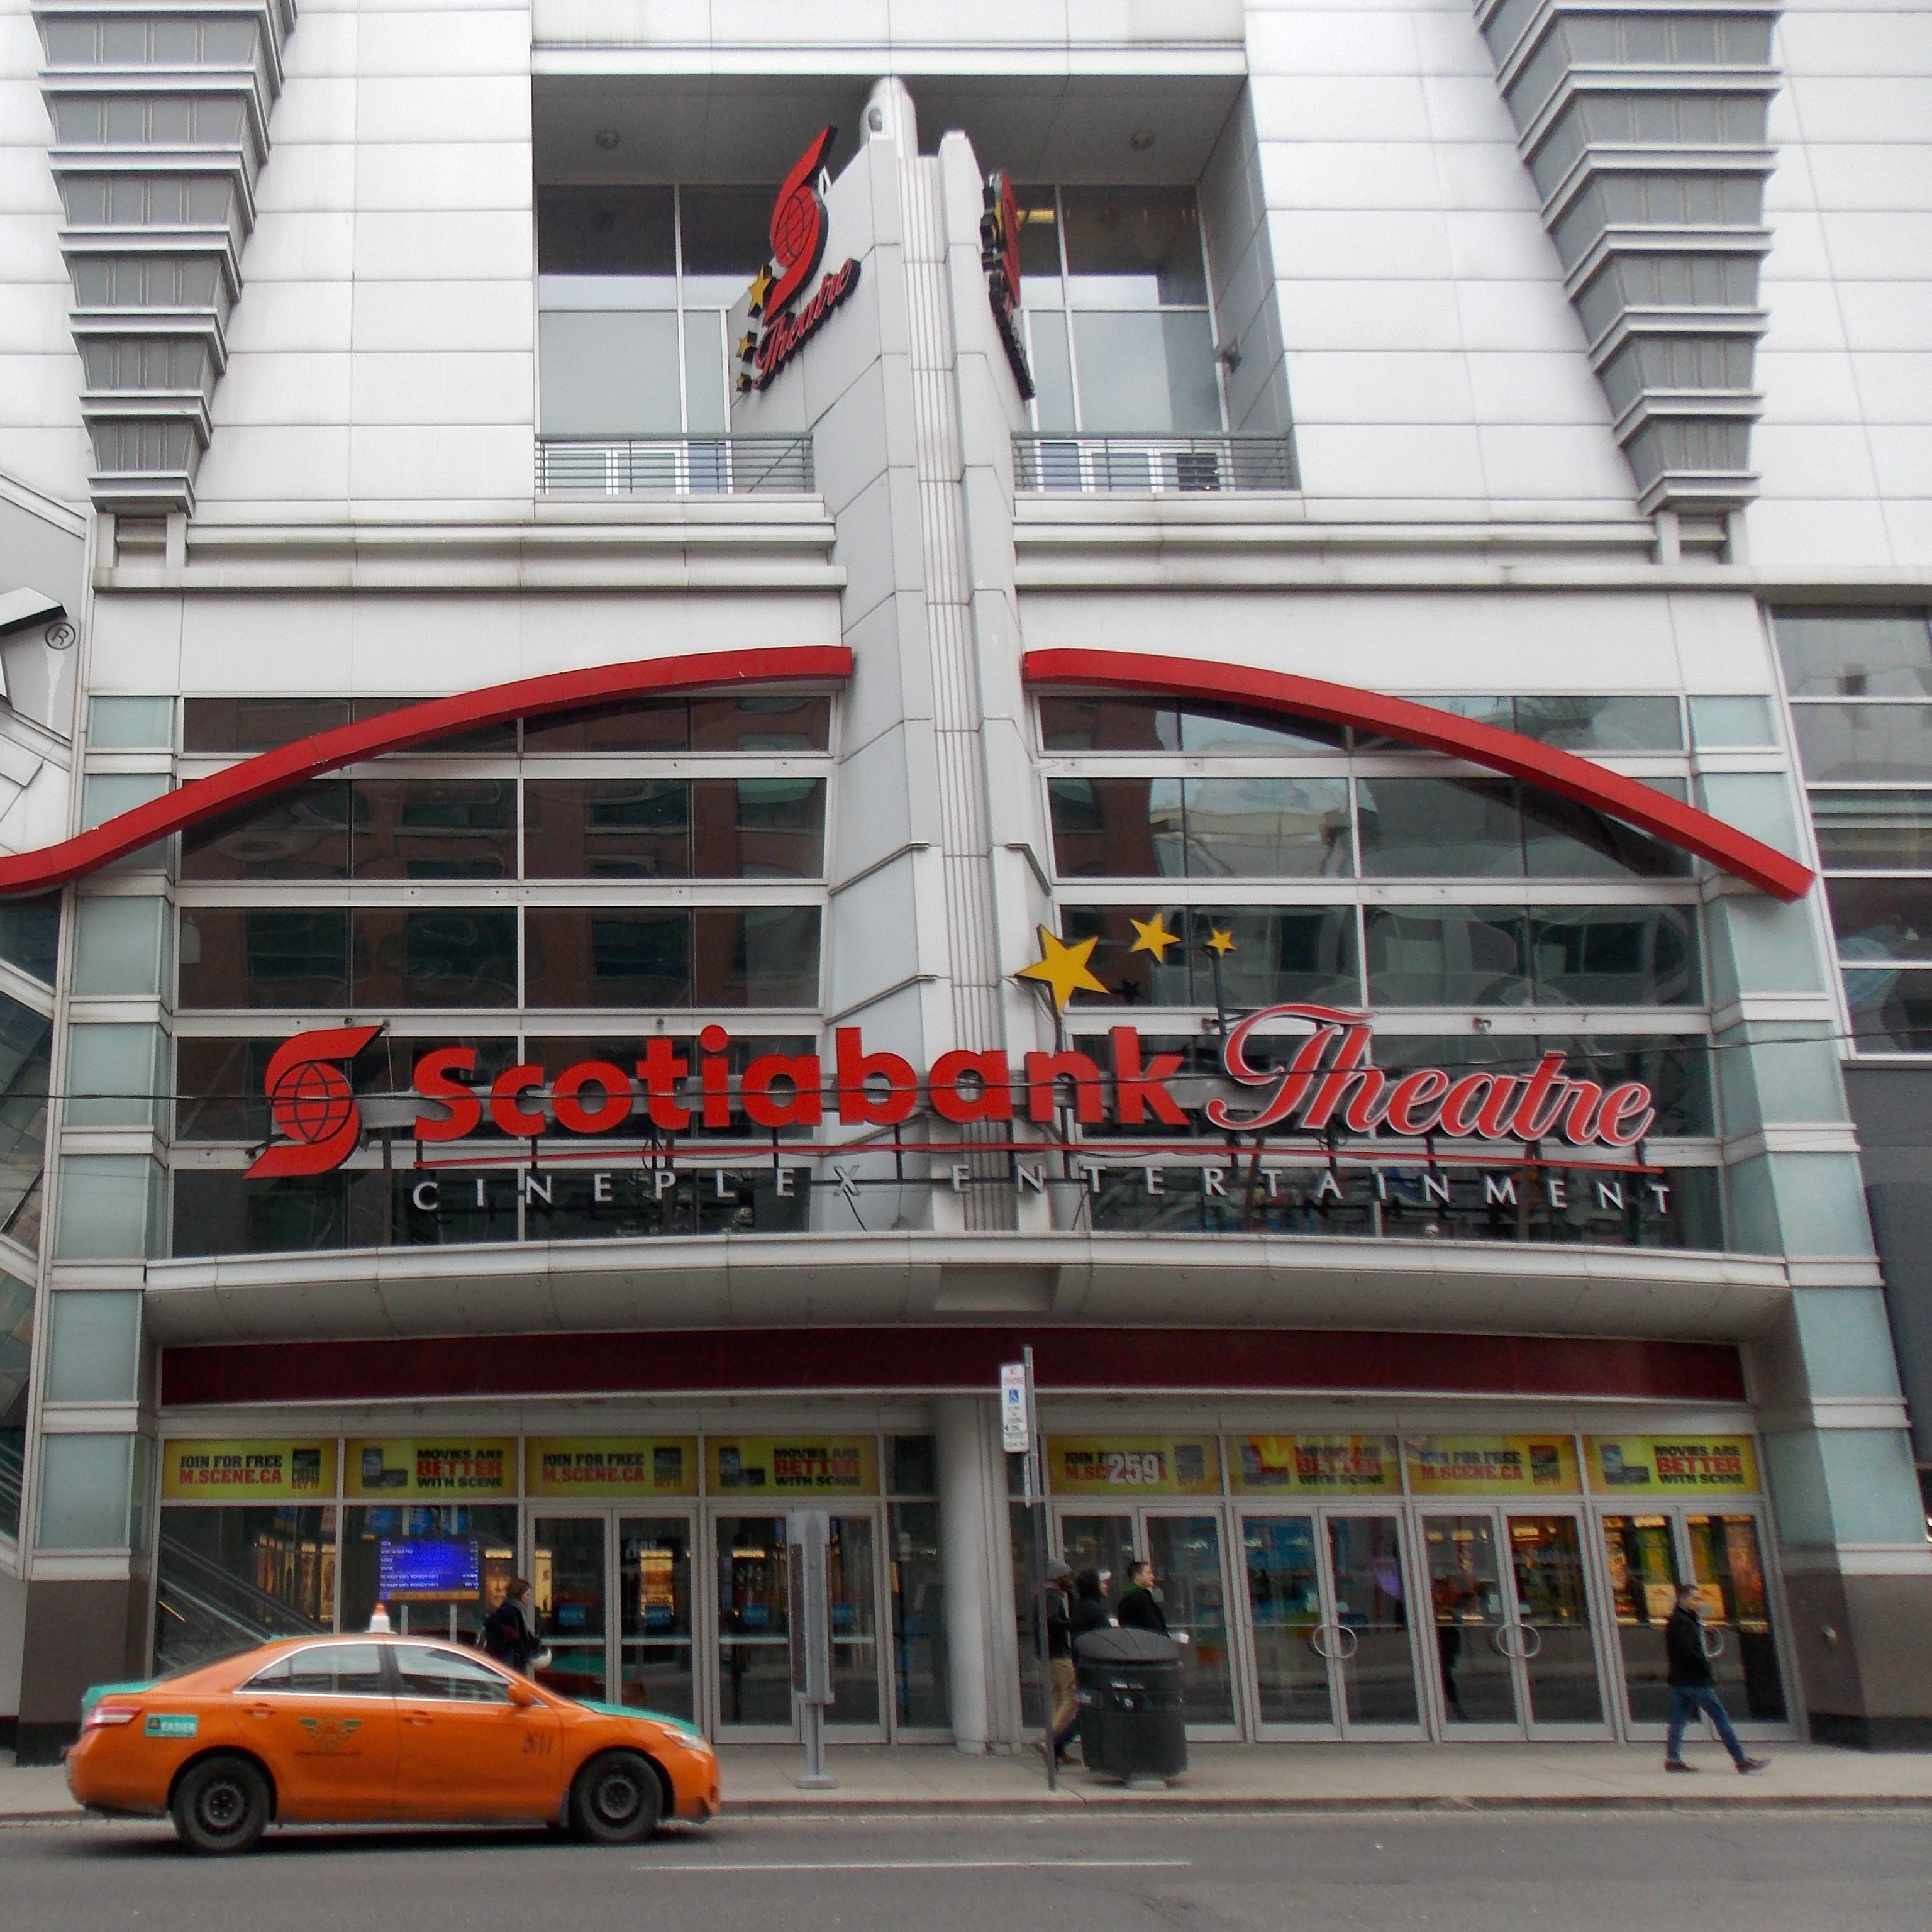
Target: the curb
pixel 817 1810
pixel 1151 1806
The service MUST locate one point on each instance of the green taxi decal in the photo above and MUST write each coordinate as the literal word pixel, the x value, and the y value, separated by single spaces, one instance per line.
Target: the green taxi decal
pixel 172 1724
pixel 330 1735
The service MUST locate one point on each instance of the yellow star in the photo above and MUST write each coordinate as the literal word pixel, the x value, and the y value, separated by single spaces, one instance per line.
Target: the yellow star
pixel 1151 935
pixel 1063 968
pixel 747 343
pixel 762 284
pixel 1220 942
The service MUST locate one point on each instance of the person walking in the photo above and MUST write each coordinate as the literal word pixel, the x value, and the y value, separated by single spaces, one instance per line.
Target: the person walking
pixel 1139 1608
pixel 510 1630
pixel 1692 1691
pixel 1090 1606
pixel 1063 1705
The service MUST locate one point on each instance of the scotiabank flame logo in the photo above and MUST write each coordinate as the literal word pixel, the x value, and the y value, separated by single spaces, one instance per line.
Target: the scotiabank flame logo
pixel 312 1102
pixel 798 232
pixel 798 226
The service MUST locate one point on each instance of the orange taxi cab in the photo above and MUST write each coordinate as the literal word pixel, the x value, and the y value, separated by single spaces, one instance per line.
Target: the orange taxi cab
pixel 380 1730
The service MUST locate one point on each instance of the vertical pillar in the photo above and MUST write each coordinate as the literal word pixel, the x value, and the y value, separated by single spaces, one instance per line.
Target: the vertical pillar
pixel 979 1638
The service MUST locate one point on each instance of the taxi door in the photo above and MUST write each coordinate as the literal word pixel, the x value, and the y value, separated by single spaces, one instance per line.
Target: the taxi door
pixel 464 1750
pixel 323 1720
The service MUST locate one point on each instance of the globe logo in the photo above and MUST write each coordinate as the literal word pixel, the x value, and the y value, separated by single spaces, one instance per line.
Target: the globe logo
pixel 312 1102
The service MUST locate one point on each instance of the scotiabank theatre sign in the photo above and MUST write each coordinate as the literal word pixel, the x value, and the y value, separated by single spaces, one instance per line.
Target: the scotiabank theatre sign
pixel 1324 1083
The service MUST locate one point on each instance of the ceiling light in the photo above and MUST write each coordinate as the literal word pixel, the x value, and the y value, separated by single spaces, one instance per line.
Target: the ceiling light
pixel 607 138
pixel 1142 140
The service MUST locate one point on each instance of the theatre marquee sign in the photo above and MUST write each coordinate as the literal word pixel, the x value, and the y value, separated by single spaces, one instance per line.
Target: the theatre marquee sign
pixel 1323 1083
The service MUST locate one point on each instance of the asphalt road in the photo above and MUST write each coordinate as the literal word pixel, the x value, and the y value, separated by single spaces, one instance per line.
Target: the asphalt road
pixel 1607 1871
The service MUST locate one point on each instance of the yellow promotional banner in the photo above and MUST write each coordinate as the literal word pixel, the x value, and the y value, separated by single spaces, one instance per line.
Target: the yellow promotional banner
pixel 794 1465
pixel 443 1469
pixel 1133 1466
pixel 610 1465
pixel 1316 1465
pixel 250 1471
pixel 1491 1465
pixel 1655 1466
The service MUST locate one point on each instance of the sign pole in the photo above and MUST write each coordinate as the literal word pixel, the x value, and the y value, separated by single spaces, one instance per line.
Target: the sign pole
pixel 1036 1499
pixel 1019 1435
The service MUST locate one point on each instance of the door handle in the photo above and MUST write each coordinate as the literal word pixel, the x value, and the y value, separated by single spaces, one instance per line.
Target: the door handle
pixel 419 1716
pixel 1531 1637
pixel 260 1711
pixel 1337 1656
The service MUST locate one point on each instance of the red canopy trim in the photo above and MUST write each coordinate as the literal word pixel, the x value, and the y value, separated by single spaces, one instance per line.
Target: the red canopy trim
pixel 1561 772
pixel 261 777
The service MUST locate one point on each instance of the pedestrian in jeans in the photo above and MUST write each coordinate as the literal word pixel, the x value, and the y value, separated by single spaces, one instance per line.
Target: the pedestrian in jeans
pixel 1064 1719
pixel 1691 1690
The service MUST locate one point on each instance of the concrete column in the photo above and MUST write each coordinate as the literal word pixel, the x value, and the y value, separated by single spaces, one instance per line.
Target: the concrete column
pixel 972 1506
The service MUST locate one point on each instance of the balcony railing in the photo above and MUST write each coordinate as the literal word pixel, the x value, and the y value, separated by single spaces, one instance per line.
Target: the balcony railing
pixel 1154 465
pixel 673 465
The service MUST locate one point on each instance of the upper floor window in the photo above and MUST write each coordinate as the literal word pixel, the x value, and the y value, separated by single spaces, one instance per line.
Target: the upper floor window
pixel 1860 683
pixel 634 285
pixel 1115 286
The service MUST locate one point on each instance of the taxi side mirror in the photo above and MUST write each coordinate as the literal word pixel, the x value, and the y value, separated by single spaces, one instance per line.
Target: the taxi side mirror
pixel 522 1695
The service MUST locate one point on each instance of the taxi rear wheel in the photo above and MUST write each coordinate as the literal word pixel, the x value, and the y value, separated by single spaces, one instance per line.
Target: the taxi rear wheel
pixel 221 1805
pixel 616 1799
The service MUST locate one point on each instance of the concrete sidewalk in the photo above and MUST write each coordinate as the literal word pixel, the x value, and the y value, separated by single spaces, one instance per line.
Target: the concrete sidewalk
pixel 878 1781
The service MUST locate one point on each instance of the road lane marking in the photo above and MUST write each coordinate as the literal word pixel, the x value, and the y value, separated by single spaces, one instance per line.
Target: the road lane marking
pixel 939 1864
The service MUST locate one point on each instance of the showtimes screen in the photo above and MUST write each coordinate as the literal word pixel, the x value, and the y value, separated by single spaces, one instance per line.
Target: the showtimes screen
pixel 429 1572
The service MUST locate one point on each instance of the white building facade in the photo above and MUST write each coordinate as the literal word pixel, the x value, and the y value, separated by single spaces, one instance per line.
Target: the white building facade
pixel 713 714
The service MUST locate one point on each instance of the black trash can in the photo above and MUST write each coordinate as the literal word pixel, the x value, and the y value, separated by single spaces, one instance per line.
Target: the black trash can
pixel 1132 1722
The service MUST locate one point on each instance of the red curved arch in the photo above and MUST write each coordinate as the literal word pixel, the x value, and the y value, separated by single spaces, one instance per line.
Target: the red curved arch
pixel 1682 825
pixel 257 778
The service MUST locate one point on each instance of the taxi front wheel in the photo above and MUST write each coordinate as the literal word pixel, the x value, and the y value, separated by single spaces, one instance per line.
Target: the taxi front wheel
pixel 221 1805
pixel 616 1800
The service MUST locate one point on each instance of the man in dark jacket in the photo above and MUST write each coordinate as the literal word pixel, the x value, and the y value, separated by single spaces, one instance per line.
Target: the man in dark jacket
pixel 1139 1609
pixel 1691 1690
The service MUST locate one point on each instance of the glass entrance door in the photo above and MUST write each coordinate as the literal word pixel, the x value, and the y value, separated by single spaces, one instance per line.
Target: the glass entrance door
pixel 752 1654
pixel 1471 1606
pixel 1184 1547
pixel 754 1660
pixel 1185 1552
pixel 1640 1555
pixel 1288 1610
pixel 1330 1625
pixel 1516 1652
pixel 614 1594
pixel 1722 1551
pixel 856 1674
pixel 1726 1562
pixel 1557 1645
pixel 654 1613
pixel 569 1573
pixel 1369 1636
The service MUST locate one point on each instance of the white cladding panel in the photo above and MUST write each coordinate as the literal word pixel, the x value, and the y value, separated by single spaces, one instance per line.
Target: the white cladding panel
pixel 1846 444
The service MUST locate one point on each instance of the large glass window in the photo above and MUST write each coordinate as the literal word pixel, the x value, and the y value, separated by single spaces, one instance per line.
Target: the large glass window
pixel 1114 284
pixel 17 1357
pixel 487 1530
pixel 228 1579
pixel 1860 683
pixel 26 1039
pixel 634 285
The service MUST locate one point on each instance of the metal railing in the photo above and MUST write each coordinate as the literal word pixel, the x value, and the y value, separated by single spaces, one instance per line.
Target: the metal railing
pixel 673 465
pixel 1154 465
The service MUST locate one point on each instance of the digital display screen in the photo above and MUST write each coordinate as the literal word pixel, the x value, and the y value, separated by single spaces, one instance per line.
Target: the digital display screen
pixel 428 1573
